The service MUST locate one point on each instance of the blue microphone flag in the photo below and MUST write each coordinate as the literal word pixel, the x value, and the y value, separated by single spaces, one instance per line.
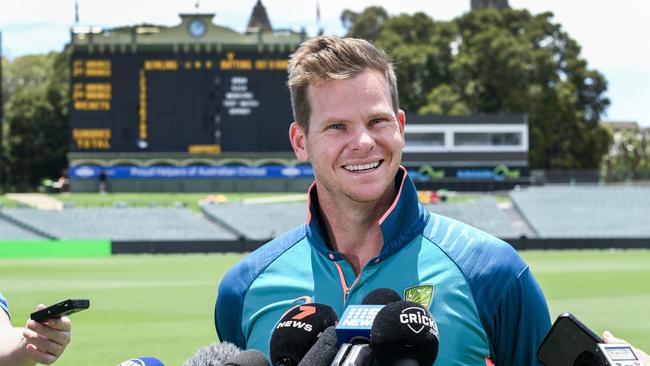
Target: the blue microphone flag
pixel 356 323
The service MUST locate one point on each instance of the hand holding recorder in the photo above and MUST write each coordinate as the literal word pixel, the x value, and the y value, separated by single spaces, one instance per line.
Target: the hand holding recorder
pixel 571 343
pixel 44 337
pixel 48 332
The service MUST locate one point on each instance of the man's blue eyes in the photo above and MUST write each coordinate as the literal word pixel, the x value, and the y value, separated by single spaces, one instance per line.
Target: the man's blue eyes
pixel 339 126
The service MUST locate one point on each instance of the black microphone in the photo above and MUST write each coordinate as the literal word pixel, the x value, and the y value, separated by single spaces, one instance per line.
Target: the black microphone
pixel 298 331
pixel 323 351
pixel 216 354
pixel 404 333
pixel 250 357
pixel 381 296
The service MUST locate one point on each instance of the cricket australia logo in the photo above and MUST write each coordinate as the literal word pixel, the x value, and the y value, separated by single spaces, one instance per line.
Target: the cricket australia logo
pixel 422 294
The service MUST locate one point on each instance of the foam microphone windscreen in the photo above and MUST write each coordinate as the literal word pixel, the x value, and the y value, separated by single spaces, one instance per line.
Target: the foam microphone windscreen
pixel 250 357
pixel 215 354
pixel 381 296
pixel 323 351
pixel 404 330
pixel 297 332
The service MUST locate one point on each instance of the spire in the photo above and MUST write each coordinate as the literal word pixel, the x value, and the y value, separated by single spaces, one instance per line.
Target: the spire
pixel 76 12
pixel 481 4
pixel 259 20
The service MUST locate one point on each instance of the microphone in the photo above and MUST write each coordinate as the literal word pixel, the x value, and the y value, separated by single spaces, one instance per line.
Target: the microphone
pixel 353 330
pixel 356 321
pixel 250 357
pixel 142 361
pixel 353 355
pixel 381 296
pixel 216 354
pixel 404 333
pixel 298 331
pixel 323 351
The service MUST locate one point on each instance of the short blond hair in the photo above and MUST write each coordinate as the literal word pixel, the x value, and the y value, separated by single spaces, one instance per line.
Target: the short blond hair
pixel 332 58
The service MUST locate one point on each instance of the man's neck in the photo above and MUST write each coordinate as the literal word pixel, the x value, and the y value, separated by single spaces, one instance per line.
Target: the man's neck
pixel 353 227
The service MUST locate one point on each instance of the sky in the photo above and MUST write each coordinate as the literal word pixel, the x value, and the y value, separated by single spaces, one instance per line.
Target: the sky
pixel 613 35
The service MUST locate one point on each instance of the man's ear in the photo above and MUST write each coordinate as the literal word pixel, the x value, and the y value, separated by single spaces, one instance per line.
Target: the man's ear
pixel 401 119
pixel 298 140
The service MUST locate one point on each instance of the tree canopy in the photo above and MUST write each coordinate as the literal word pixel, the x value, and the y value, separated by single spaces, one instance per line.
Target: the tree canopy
pixel 498 61
pixel 36 134
pixel 629 158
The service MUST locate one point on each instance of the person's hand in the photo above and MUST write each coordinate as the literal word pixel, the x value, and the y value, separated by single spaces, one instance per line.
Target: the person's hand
pixel 45 342
pixel 609 338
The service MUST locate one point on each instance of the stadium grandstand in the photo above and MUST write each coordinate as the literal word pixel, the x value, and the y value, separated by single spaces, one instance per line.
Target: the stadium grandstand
pixel 132 224
pixel 260 221
pixel 535 217
pixel 11 231
pixel 586 211
pixel 484 214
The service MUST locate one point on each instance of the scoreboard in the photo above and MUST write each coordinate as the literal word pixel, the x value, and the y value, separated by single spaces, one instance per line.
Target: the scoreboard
pixel 191 102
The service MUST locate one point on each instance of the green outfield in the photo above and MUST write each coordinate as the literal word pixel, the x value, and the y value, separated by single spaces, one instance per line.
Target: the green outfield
pixel 162 305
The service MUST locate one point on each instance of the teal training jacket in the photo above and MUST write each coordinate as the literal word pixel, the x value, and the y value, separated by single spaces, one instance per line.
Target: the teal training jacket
pixel 3 304
pixel 488 306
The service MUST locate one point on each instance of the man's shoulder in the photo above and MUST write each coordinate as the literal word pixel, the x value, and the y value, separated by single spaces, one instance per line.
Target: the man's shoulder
pixel 238 280
pixel 478 254
pixel 244 272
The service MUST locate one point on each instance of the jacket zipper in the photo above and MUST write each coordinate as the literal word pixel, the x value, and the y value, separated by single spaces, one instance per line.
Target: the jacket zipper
pixel 344 285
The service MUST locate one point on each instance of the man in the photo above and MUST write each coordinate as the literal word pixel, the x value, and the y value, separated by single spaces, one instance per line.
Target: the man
pixel 365 228
pixel 37 342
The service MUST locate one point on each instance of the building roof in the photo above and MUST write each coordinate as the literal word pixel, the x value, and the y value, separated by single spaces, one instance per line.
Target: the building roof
pixel 194 29
pixel 621 125
pixel 519 119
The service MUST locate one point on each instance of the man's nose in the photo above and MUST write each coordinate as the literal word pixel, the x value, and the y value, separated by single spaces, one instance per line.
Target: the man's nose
pixel 363 140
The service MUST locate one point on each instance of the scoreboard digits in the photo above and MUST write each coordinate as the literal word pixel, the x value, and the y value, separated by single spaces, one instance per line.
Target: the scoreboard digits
pixel 199 103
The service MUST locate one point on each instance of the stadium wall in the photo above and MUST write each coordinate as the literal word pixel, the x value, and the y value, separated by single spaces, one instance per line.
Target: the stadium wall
pixel 105 248
pixel 579 243
pixel 194 185
pixel 54 248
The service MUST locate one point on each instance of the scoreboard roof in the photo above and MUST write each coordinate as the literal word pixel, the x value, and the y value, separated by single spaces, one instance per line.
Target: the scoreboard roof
pixel 194 29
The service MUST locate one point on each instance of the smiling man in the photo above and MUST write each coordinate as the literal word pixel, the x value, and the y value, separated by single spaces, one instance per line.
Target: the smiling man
pixel 366 230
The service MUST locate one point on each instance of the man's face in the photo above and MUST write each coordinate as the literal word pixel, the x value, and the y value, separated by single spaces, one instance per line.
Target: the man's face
pixel 355 140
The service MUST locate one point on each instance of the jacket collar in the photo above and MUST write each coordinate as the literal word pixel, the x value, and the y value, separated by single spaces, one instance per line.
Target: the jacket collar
pixel 400 224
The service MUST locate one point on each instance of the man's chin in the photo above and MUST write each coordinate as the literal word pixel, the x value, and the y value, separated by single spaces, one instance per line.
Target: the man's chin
pixel 365 194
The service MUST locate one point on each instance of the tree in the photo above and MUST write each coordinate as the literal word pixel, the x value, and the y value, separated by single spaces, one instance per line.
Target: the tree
pixel 25 71
pixel 36 136
pixel 421 49
pixel 512 62
pixel 366 25
pixel 501 61
pixel 443 99
pixel 630 156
